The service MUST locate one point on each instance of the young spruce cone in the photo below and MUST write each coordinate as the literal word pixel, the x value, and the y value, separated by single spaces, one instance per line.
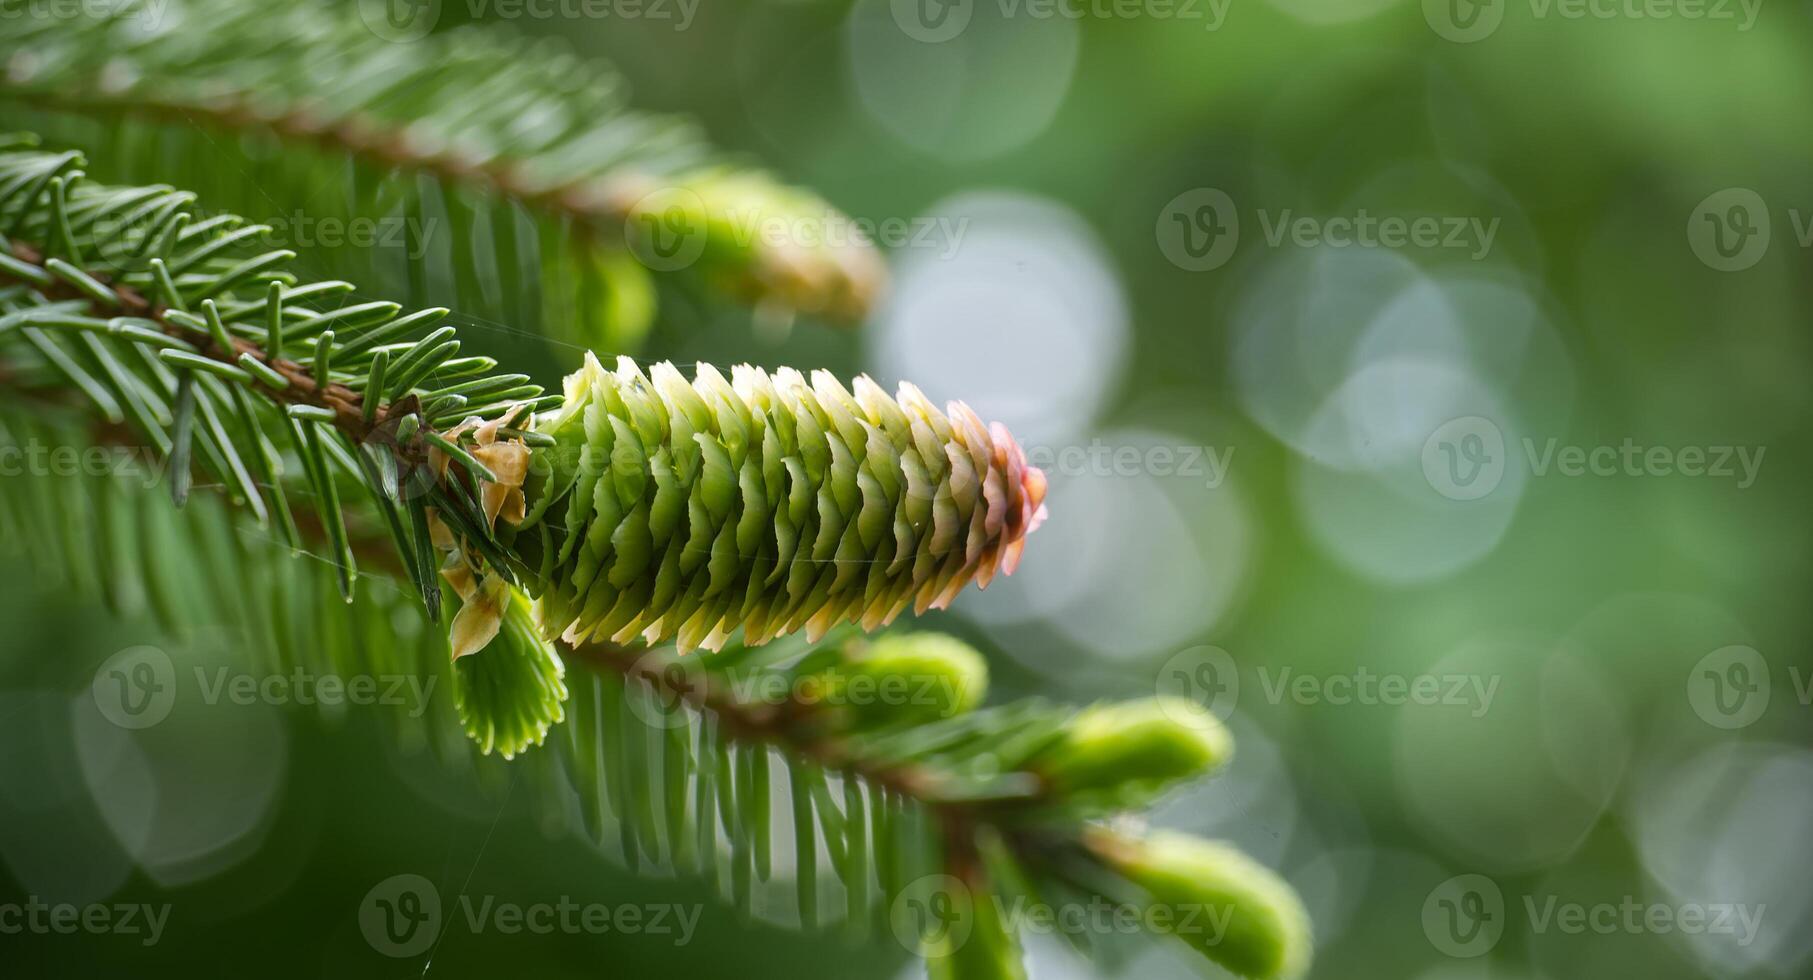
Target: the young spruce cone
pixel 682 510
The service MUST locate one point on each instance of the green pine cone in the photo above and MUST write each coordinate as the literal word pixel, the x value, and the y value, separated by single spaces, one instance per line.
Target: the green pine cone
pixel 682 511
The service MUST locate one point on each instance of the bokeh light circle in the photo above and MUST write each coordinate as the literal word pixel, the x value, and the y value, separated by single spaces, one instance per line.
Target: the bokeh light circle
pixel 1515 770
pixel 1021 316
pixel 1727 826
pixel 1152 561
pixel 986 89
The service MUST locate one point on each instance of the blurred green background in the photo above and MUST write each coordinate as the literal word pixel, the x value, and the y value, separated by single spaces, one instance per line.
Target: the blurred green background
pixel 1278 468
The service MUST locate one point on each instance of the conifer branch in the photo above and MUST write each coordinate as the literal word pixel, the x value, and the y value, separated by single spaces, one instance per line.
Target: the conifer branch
pixel 718 514
pixel 614 194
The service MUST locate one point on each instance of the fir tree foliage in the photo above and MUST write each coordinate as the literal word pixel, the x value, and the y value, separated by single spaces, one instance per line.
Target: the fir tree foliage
pixel 473 163
pixel 611 573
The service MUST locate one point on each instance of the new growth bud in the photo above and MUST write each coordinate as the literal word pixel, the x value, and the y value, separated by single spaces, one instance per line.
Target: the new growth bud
pixel 1125 755
pixel 510 692
pixel 1255 924
pixel 903 678
pixel 753 239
